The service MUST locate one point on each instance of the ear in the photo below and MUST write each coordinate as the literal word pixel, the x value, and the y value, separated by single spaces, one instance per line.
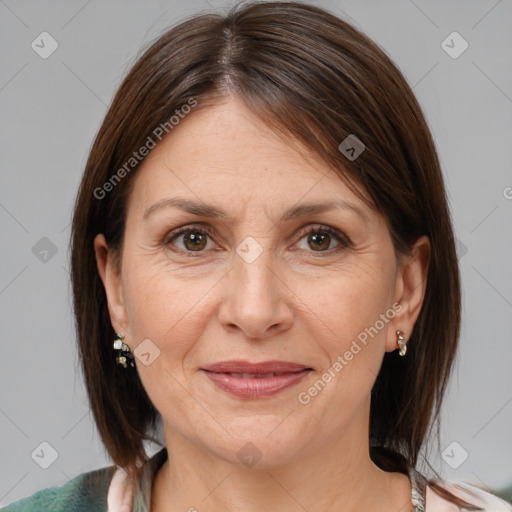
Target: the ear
pixel 410 286
pixel 111 278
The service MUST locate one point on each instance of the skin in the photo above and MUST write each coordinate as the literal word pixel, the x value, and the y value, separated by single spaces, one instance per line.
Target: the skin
pixel 294 302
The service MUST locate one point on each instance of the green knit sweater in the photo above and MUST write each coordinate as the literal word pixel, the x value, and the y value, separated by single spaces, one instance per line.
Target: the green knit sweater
pixel 85 493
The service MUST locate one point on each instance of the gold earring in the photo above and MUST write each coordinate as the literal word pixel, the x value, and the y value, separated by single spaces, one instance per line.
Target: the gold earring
pixel 401 343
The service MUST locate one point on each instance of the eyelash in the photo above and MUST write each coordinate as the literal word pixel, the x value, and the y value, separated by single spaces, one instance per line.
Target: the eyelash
pixel 344 242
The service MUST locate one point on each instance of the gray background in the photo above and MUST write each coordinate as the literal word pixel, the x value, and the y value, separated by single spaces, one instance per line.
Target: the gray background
pixel 50 111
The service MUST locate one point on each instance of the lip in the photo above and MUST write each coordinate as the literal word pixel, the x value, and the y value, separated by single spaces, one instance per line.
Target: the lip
pixel 255 387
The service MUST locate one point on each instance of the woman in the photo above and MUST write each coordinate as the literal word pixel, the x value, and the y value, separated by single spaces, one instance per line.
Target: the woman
pixel 263 260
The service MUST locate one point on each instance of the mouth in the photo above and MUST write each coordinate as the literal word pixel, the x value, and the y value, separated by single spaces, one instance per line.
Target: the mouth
pixel 255 380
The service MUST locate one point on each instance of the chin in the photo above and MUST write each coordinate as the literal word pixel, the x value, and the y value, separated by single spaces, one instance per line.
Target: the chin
pixel 261 446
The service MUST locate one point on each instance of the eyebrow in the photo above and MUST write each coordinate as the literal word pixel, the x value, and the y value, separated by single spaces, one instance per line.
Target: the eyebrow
pixel 205 210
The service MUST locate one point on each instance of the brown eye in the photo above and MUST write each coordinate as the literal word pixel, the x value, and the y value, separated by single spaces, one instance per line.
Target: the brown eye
pixel 318 239
pixel 192 239
pixel 321 241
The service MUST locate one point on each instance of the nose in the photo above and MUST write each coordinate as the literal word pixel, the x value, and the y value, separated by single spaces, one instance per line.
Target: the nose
pixel 256 298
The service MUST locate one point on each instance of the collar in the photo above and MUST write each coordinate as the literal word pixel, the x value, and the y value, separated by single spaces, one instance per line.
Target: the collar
pixel 125 497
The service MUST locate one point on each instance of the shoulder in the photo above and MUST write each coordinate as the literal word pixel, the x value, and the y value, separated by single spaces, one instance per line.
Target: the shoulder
pixel 86 492
pixel 469 493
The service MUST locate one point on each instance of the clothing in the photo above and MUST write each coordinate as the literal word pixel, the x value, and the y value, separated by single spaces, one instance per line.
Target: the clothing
pixel 107 490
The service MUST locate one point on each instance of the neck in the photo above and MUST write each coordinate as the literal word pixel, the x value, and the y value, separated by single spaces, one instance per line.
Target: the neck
pixel 334 474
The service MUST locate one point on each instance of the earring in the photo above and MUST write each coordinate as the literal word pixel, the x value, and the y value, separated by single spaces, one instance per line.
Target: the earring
pixel 401 344
pixel 125 357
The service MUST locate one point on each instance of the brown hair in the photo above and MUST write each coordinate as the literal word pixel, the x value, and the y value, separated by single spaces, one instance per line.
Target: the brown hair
pixel 312 76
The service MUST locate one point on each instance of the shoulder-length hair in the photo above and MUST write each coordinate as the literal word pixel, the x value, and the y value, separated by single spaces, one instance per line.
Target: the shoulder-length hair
pixel 314 78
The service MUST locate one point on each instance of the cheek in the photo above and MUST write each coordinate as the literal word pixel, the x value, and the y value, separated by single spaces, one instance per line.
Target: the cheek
pixel 169 313
pixel 352 318
pixel 350 334
pixel 165 309
pixel 349 304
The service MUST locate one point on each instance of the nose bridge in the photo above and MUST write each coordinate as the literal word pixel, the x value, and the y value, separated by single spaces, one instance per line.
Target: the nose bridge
pixel 255 269
pixel 254 300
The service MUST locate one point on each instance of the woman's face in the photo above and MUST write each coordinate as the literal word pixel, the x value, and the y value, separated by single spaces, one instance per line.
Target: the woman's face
pixel 256 287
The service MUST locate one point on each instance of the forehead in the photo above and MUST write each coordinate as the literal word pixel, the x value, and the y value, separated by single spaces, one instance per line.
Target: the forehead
pixel 224 152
